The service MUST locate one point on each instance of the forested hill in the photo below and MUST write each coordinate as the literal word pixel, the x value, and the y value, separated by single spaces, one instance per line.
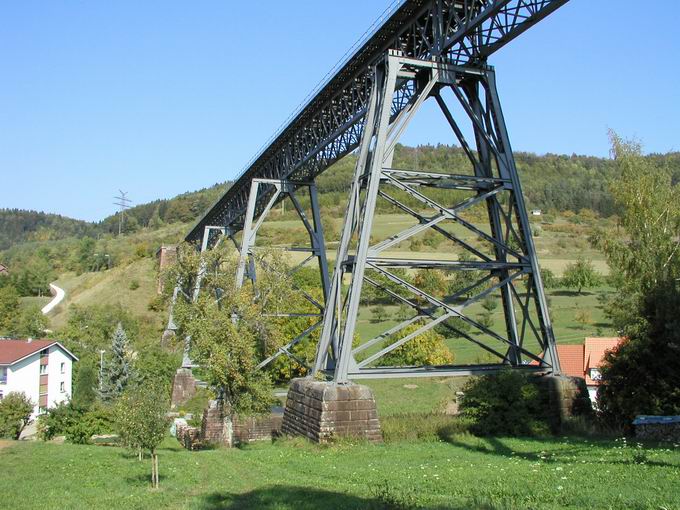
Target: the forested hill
pixel 550 182
pixel 18 226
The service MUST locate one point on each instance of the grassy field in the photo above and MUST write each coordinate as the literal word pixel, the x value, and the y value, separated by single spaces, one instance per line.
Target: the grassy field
pixel 461 472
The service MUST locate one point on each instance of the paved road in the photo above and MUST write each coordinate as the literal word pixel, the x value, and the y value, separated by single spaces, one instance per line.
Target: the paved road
pixel 59 295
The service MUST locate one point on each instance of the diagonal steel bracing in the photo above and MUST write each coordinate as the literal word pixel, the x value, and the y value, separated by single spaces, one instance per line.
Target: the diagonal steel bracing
pixel 503 256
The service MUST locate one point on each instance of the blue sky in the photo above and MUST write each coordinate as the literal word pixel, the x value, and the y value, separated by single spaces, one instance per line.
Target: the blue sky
pixel 162 97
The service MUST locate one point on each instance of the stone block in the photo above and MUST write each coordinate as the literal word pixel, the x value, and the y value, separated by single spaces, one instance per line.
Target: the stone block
pixel 322 411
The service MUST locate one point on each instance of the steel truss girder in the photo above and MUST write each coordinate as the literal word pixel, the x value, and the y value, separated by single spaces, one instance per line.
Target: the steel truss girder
pixel 330 126
pixel 494 173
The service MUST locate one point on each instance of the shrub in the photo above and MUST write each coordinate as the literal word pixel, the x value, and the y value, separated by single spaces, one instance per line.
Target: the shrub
pixel 134 284
pixel 15 412
pixel 641 376
pixel 76 422
pixel 428 348
pixel 508 403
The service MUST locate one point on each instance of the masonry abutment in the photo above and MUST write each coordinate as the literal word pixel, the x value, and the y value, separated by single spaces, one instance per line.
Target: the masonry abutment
pixel 322 411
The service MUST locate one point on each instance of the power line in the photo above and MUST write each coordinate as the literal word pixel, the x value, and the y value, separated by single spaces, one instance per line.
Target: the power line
pixel 124 203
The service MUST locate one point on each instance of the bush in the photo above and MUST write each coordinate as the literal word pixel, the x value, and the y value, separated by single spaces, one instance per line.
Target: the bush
pixel 76 422
pixel 428 348
pixel 641 375
pixel 508 403
pixel 15 412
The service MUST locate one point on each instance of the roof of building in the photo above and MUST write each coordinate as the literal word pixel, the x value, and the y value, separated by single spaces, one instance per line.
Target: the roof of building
pixel 13 350
pixel 576 360
pixel 594 351
pixel 571 359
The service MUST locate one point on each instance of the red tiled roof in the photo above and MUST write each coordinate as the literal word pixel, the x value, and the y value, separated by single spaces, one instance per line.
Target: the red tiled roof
pixel 14 350
pixel 594 350
pixel 571 359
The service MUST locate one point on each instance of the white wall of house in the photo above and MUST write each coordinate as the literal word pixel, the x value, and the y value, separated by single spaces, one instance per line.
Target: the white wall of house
pixel 592 392
pixel 56 377
pixel 24 376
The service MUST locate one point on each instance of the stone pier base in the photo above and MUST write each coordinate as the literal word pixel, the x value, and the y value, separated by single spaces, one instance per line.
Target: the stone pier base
pixel 322 411
pixel 183 387
pixel 567 396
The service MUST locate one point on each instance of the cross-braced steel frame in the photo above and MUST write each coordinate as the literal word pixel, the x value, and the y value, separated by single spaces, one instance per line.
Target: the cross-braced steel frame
pixel 493 181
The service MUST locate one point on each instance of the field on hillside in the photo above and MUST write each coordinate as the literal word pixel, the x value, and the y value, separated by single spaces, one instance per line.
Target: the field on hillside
pixel 458 472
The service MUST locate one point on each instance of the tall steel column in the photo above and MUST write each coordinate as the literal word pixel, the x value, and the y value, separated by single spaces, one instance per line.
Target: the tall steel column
pixel 400 86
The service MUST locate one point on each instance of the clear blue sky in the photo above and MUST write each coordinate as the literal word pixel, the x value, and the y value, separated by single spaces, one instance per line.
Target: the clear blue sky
pixel 162 97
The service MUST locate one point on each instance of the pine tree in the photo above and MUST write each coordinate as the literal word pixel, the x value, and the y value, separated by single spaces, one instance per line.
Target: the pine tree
pixel 116 373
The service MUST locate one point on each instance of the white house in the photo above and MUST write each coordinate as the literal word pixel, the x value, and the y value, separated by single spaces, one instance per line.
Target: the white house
pixel 41 369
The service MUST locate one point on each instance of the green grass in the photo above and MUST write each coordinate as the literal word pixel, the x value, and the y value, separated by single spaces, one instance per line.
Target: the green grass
pixel 111 287
pixel 462 472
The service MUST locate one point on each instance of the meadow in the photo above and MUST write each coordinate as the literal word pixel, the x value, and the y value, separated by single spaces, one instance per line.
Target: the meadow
pixel 454 472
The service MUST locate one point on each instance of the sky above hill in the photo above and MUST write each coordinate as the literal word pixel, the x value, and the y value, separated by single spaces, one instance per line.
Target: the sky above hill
pixel 157 98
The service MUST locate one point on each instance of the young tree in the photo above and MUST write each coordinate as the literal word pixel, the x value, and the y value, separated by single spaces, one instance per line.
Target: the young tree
pixel 645 250
pixel 378 312
pixel 641 376
pixel 141 417
pixel 15 412
pixel 9 306
pixel 85 386
pixel 229 335
pixel 580 274
pixel 116 372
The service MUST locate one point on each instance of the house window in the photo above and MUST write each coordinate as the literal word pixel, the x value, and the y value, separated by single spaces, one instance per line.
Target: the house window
pixel 44 353
pixel 3 375
pixel 595 374
pixel 43 369
pixel 63 368
pixel 62 388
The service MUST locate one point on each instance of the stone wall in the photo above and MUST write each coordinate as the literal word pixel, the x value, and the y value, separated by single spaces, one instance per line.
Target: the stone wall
pixel 253 428
pixel 221 429
pixel 321 411
pixel 658 428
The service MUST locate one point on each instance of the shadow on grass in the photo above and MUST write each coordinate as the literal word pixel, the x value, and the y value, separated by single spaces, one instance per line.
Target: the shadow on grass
pixel 560 453
pixel 282 497
pixel 571 293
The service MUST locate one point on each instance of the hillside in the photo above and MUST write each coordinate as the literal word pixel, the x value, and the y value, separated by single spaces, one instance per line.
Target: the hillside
pixel 97 267
pixel 18 226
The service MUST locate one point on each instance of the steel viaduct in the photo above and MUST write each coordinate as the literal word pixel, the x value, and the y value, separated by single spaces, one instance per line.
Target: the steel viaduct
pixel 434 50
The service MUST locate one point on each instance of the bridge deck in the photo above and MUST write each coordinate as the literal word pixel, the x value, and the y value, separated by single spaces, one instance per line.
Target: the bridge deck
pixel 329 126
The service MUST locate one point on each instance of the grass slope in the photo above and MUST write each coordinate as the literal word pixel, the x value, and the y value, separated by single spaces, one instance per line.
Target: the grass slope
pixel 463 472
pixel 111 287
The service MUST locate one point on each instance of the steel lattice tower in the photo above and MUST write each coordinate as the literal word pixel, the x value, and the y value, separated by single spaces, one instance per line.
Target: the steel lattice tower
pixel 427 50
